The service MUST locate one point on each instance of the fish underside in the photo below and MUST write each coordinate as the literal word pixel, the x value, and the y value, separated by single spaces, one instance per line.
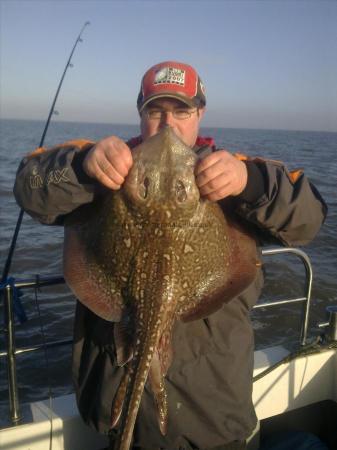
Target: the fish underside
pixel 148 255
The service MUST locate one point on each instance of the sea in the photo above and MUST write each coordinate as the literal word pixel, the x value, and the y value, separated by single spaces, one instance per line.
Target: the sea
pixel 38 251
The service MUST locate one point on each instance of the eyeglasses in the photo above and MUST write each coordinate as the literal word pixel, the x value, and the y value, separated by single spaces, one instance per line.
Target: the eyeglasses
pixel 178 113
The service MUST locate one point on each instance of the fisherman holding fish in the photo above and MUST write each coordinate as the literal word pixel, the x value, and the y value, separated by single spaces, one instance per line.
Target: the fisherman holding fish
pixel 205 399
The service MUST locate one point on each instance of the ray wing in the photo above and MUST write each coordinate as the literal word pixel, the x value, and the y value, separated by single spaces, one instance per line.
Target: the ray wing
pixel 221 260
pixel 98 254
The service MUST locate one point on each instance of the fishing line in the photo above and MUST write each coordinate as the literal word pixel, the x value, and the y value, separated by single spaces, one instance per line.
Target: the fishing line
pixel 44 342
pixel 51 112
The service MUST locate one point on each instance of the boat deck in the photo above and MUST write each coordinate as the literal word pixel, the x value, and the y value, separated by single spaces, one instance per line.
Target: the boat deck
pixel 299 395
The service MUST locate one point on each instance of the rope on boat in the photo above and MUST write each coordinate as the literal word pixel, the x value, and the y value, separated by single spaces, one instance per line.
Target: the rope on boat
pixel 318 345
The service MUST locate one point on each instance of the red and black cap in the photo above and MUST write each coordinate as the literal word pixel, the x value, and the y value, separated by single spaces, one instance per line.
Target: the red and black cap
pixel 172 79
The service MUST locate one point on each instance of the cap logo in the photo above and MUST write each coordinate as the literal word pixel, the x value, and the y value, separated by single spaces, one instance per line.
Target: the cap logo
pixel 170 75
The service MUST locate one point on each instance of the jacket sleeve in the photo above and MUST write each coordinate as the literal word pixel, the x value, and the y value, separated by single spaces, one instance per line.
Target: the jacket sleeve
pixel 51 183
pixel 284 206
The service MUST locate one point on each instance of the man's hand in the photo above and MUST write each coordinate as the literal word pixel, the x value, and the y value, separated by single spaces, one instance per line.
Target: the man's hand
pixel 220 175
pixel 109 162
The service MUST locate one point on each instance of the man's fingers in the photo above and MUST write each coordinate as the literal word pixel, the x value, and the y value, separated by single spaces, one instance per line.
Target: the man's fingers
pixel 109 162
pixel 120 158
pixel 219 194
pixel 209 172
pixel 109 171
pixel 105 180
pixel 221 174
pixel 214 185
pixel 210 161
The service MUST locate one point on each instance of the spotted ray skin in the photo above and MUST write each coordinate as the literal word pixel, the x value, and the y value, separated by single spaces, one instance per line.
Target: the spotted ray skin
pixel 148 255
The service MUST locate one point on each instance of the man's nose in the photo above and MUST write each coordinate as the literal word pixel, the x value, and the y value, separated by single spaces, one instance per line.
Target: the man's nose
pixel 167 118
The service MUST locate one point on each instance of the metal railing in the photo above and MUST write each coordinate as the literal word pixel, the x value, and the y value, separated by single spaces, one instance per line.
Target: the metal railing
pixel 308 286
pixel 39 282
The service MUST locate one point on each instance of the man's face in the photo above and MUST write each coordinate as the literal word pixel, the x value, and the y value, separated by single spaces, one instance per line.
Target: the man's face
pixel 160 113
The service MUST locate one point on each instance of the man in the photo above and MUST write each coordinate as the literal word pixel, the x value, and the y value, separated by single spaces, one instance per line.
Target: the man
pixel 209 383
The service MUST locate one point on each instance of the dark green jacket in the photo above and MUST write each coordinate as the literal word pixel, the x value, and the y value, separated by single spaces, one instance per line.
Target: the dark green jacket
pixel 209 383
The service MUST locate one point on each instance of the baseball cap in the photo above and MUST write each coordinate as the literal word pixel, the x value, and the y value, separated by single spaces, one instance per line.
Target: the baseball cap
pixel 171 79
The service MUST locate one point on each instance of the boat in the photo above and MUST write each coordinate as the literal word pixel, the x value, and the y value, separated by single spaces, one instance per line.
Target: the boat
pixel 294 393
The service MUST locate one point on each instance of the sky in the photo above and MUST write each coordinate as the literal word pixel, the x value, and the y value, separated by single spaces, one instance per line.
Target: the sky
pixel 265 64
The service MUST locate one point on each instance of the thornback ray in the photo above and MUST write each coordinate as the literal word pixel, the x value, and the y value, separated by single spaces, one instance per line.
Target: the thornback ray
pixel 148 255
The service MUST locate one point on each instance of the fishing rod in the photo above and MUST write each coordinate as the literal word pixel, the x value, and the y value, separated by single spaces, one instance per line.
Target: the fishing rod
pixel 51 112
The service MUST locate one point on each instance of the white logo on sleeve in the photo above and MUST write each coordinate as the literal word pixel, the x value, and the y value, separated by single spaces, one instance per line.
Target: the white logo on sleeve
pixel 57 176
pixel 35 180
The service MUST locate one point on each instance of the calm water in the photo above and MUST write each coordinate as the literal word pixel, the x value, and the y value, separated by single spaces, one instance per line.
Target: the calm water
pixel 39 248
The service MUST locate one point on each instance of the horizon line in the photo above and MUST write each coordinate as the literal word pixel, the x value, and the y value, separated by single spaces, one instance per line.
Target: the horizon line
pixel 201 127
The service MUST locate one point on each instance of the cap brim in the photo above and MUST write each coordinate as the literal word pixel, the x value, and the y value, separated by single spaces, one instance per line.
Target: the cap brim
pixel 189 102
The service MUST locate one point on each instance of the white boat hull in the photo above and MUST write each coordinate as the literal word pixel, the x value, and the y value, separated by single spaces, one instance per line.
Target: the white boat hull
pixel 301 382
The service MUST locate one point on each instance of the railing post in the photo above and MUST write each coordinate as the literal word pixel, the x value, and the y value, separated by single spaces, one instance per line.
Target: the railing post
pixel 14 406
pixel 306 306
pixel 308 271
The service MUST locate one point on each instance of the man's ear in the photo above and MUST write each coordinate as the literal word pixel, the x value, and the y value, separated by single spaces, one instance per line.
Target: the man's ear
pixel 201 112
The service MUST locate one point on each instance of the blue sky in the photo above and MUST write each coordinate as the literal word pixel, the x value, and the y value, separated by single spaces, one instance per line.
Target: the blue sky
pixel 265 64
